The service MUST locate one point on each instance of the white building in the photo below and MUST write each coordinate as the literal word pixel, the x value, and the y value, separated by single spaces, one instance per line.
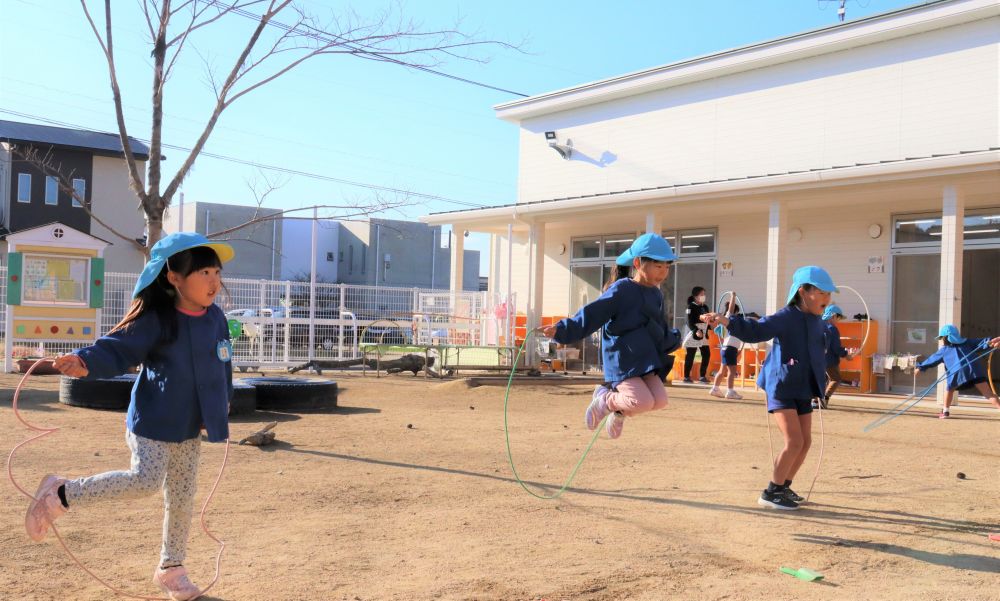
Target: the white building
pixel 871 148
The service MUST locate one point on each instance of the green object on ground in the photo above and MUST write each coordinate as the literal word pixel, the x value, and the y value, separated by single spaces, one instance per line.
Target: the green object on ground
pixel 235 328
pixel 802 573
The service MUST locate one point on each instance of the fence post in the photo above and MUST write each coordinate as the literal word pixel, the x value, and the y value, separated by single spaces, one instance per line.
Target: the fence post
pixel 288 314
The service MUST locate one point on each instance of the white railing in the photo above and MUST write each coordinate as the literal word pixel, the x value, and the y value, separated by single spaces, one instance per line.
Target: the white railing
pixel 277 318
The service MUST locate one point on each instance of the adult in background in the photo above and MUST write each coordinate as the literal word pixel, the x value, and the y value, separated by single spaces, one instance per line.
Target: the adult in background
pixel 697 338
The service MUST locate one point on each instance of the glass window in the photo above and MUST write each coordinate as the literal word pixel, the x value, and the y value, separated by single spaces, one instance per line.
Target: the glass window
pixel 616 245
pixel 587 248
pixel 697 242
pixel 55 280
pixel 80 187
pixel 918 230
pixel 982 226
pixel 23 187
pixel 51 190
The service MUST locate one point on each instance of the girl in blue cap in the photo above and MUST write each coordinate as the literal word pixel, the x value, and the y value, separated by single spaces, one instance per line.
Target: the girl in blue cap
pixel 793 373
pixel 635 340
pixel 182 341
pixel 834 351
pixel 958 354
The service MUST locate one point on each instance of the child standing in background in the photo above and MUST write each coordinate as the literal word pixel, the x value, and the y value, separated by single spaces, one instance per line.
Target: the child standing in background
pixel 834 352
pixel 730 358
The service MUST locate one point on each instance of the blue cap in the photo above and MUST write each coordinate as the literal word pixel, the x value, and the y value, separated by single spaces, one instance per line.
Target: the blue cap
pixel 651 246
pixel 951 333
pixel 832 310
pixel 169 246
pixel 810 274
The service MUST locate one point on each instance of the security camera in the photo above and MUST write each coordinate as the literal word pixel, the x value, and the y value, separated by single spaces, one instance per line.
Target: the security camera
pixel 564 150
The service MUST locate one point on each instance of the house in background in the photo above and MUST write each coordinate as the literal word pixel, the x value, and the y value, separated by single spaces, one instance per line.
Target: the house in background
pixel 375 252
pixel 95 164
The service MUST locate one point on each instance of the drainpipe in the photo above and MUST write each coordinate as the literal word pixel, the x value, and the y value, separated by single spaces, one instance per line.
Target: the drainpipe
pixel 377 260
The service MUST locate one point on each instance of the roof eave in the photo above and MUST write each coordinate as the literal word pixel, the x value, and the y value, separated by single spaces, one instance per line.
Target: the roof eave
pixel 988 160
pixel 899 23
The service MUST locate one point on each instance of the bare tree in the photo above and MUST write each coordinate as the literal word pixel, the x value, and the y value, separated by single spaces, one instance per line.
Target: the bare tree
pixel 272 49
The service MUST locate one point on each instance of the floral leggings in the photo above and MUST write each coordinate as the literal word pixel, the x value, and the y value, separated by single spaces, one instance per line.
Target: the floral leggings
pixel 155 464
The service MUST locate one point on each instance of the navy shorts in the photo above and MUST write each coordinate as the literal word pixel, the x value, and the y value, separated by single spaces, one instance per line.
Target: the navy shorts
pixel 801 407
pixel 730 354
pixel 969 384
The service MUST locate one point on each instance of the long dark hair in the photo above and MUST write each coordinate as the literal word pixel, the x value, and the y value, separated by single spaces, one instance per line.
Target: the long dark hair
pixel 694 293
pixel 161 297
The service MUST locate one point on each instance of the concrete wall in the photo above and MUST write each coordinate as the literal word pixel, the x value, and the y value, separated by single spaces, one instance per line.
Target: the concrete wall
pixel 934 92
pixel 415 252
pixel 115 204
pixel 296 256
pixel 257 246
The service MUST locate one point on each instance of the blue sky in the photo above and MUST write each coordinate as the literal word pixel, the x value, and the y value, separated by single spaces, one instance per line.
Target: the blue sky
pixel 353 119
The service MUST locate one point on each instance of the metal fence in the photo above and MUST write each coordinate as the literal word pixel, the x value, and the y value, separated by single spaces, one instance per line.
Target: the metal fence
pixel 280 328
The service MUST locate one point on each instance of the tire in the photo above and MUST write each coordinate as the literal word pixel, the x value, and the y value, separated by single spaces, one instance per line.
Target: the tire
pixel 244 399
pixel 294 394
pixel 111 394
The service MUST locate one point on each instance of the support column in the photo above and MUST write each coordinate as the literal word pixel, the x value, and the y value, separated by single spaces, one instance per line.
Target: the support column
pixel 777 223
pixel 952 245
pixel 457 259
pixel 654 224
pixel 536 275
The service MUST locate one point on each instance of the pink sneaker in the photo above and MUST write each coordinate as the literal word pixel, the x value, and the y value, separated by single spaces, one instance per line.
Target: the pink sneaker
pixel 175 582
pixel 598 407
pixel 615 424
pixel 45 508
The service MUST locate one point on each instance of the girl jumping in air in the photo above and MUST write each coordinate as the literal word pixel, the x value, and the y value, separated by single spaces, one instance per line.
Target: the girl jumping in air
pixel 182 341
pixel 793 373
pixel 635 341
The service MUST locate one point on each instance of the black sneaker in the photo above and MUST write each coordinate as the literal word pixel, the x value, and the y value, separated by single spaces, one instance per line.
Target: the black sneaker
pixel 777 500
pixel 791 494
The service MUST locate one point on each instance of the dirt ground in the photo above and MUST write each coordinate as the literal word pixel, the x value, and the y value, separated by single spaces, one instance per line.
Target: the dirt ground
pixel 405 492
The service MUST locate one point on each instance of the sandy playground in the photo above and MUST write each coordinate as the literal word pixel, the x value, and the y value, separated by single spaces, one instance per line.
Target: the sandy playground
pixel 405 493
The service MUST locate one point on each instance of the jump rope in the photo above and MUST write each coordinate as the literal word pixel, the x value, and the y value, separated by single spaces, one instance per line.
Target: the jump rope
pixel 46 432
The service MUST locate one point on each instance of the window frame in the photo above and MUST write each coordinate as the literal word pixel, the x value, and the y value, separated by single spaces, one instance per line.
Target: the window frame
pixel 52 181
pixel 26 188
pixel 82 194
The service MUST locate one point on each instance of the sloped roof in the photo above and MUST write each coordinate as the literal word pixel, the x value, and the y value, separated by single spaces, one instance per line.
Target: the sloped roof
pixel 98 142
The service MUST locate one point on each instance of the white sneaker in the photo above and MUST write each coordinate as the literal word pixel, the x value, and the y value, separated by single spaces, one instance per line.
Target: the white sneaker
pixel 598 407
pixel 175 582
pixel 717 392
pixel 615 424
pixel 732 394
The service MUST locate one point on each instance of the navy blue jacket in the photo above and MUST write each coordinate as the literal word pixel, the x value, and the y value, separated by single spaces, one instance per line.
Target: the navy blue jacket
pixel 834 351
pixel 181 386
pixel 795 369
pixel 956 359
pixel 627 347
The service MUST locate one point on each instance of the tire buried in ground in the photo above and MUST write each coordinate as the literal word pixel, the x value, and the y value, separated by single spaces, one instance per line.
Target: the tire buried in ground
pixel 244 399
pixel 111 394
pixel 294 394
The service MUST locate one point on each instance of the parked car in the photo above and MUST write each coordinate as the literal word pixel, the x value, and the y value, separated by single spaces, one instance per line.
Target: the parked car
pixel 384 331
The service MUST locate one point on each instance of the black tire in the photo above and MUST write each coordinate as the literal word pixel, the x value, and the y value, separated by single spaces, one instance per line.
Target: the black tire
pixel 244 399
pixel 111 394
pixel 294 394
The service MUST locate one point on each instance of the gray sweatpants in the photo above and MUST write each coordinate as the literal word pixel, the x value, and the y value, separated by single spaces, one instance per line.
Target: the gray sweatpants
pixel 155 464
